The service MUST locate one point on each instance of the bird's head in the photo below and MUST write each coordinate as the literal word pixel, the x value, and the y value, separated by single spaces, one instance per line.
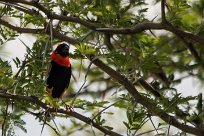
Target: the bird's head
pixel 62 49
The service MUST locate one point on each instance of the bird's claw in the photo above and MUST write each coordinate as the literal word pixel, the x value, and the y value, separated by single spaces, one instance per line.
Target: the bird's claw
pixel 69 107
pixel 49 90
pixel 55 109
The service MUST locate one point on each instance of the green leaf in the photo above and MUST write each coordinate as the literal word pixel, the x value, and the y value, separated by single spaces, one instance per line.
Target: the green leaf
pixel 126 124
pixel 108 127
pixel 143 10
pixel 86 49
pixel 98 104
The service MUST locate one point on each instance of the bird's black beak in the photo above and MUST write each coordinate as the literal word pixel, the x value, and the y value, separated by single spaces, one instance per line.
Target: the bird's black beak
pixel 65 51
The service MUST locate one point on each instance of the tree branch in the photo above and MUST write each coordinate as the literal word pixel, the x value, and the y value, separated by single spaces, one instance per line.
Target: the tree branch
pixel 130 88
pixel 128 30
pixel 143 101
pixel 156 26
pixel 59 110
pixel 21 8
pixel 149 88
pixel 163 16
pixel 193 51
pixel 127 84
pixel 39 31
pixel 19 29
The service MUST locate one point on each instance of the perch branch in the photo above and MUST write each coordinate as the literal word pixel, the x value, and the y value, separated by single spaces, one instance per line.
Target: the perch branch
pixel 39 103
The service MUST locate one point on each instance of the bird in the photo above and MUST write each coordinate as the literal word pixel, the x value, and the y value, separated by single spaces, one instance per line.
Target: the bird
pixel 60 72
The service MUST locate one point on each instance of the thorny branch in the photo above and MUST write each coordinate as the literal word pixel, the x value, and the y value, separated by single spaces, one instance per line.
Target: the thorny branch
pixel 37 115
pixel 39 103
pixel 143 101
pixel 163 11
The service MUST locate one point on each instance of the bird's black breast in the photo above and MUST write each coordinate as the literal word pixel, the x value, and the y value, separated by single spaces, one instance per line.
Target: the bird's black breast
pixel 58 78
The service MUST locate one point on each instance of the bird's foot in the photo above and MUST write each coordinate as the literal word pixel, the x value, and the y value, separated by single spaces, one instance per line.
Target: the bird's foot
pixel 55 109
pixel 69 107
pixel 49 90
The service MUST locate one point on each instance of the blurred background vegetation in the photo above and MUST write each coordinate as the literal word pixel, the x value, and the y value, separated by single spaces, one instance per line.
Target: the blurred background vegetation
pixel 154 58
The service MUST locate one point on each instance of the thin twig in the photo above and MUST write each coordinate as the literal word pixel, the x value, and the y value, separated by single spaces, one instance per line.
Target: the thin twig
pixel 44 122
pixel 37 115
pixel 163 11
pixel 86 35
pixel 45 50
pixel 142 123
pixel 55 130
pixel 51 32
pixel 149 131
pixel 168 130
pixel 21 8
pixel 77 130
pixel 24 62
pixel 83 83
pixel 193 51
pixel 85 8
pixel 169 126
pixel 93 131
pixel 99 113
pixel 3 11
pixel 4 121
pixel 171 104
pixel 153 124
pixel 55 125
pixel 47 113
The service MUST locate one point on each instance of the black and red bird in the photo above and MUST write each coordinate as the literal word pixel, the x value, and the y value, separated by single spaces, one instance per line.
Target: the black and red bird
pixel 60 73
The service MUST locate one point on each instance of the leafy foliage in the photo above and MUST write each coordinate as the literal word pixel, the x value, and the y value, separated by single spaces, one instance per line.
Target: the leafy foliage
pixel 163 60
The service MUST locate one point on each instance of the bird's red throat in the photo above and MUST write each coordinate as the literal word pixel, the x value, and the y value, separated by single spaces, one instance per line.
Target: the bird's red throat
pixel 63 61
